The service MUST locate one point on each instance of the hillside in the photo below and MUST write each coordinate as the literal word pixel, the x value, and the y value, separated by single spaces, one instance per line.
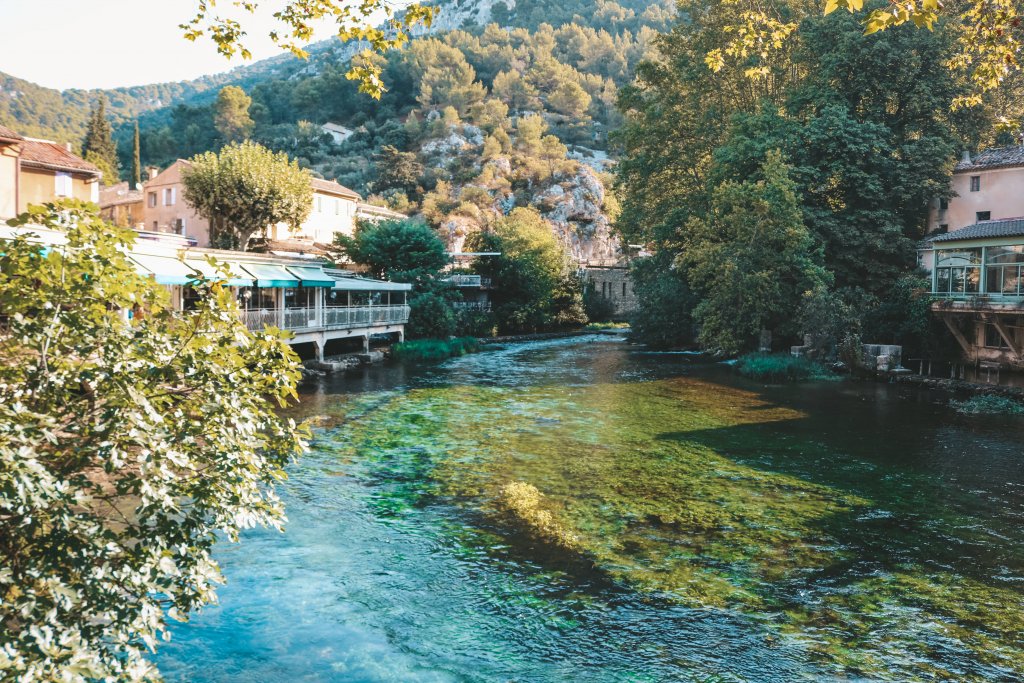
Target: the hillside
pixel 454 114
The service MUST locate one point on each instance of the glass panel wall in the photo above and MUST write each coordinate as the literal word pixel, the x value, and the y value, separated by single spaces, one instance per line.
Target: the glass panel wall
pixel 299 297
pixel 958 271
pixel 1004 268
pixel 256 298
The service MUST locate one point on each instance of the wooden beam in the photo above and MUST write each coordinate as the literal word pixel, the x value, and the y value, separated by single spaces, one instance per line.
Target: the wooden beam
pixel 1005 334
pixel 957 334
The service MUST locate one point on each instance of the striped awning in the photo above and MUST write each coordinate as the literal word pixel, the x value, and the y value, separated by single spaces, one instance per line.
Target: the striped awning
pixel 311 276
pixel 270 275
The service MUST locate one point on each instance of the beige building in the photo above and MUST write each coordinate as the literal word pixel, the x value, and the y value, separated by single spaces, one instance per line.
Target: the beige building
pixel 165 210
pixel 975 253
pixel 335 210
pixel 122 206
pixel 38 171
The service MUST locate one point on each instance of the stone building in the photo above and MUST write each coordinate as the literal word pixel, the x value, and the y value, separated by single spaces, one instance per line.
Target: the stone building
pixel 615 285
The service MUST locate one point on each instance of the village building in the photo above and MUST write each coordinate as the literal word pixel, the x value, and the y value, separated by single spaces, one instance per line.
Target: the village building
pixel 975 253
pixel 338 132
pixel 36 171
pixel 122 205
pixel 335 210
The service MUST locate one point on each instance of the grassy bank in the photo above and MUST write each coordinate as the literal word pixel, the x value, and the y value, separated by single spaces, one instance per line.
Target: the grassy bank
pixel 988 404
pixel 780 367
pixel 419 350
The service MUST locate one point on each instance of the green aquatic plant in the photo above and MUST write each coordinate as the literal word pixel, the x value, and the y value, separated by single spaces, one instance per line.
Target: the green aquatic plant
pixel 780 367
pixel 702 494
pixel 988 404
pixel 521 505
pixel 426 350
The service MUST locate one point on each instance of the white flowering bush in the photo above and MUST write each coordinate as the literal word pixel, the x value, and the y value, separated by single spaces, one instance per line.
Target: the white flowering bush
pixel 128 445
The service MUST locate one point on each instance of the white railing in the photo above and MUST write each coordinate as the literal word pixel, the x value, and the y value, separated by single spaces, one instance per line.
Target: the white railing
pixel 482 306
pixel 331 317
pixel 467 280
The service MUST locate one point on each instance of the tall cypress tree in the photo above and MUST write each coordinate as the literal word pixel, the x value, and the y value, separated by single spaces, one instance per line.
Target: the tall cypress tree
pixel 136 163
pixel 98 146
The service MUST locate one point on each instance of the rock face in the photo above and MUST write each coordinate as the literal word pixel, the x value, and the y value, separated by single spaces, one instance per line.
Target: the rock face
pixel 571 198
pixel 574 208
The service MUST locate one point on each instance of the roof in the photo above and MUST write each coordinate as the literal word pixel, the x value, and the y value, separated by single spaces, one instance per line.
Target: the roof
pixel 1010 227
pixel 8 134
pixel 336 127
pixel 169 176
pixel 119 194
pixel 50 155
pixel 364 208
pixel 331 187
pixel 997 157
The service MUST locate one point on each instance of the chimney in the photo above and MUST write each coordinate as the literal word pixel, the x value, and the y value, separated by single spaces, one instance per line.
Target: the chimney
pixel 67 146
pixel 151 172
pixel 966 158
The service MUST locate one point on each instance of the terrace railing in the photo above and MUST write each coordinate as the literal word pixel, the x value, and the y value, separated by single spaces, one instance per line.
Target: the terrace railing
pixel 330 317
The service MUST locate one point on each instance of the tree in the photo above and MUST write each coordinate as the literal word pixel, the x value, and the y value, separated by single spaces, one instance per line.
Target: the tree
pixel 664 315
pixel 128 444
pixel 397 170
pixel 408 251
pixel 398 250
pixel 531 268
pixel 751 260
pixel 295 24
pixel 98 146
pixel 136 161
pixel 244 189
pixel 231 114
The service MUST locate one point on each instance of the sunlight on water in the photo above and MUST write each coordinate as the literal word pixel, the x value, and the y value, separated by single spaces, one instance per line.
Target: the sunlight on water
pixel 664 522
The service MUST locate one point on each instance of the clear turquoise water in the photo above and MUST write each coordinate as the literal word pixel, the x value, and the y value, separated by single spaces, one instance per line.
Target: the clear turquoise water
pixel 900 527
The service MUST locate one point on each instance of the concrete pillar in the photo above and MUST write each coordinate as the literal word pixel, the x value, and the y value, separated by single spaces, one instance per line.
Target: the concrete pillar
pixel 366 343
pixel 401 335
pixel 319 346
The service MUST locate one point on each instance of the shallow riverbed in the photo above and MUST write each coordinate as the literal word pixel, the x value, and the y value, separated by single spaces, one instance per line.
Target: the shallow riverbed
pixel 692 526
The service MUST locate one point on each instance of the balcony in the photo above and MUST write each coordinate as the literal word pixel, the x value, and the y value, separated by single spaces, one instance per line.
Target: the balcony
pixel 328 318
pixel 467 280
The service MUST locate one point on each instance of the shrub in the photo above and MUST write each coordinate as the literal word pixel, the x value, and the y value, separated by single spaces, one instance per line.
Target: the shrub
pixel 779 367
pixel 988 404
pixel 420 350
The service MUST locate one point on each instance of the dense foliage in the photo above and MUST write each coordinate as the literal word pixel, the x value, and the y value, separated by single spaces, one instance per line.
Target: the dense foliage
pixel 534 288
pixel 243 190
pixel 129 442
pixel 863 124
pixel 98 146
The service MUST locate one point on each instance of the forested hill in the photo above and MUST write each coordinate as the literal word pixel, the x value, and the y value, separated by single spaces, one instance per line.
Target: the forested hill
pixel 499 105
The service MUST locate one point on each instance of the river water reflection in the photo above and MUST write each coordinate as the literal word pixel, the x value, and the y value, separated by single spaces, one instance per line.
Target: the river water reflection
pixel 721 530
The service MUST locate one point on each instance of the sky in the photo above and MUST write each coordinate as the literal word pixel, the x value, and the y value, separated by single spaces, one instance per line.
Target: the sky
pixel 110 43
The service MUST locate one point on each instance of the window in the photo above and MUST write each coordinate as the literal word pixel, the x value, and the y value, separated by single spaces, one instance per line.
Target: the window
pixel 975 183
pixel 179 226
pixel 156 226
pixel 169 196
pixel 943 228
pixel 1005 269
pixel 943 204
pixel 983 216
pixel 62 185
pixel 623 289
pixel 337 207
pixel 957 271
pixel 152 199
pixel 319 204
pixel 993 339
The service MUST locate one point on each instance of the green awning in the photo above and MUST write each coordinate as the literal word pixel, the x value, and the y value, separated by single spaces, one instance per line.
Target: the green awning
pixel 166 270
pixel 236 278
pixel 362 284
pixel 312 276
pixel 270 275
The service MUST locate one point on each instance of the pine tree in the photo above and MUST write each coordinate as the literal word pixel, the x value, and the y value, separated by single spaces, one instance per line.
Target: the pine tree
pixel 136 163
pixel 99 146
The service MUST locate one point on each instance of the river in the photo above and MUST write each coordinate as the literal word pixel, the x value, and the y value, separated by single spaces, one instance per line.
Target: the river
pixel 669 521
